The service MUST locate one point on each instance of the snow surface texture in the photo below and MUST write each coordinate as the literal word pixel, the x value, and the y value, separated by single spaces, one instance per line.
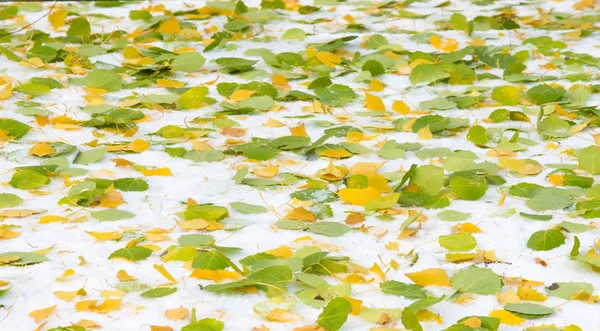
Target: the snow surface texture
pixel 32 286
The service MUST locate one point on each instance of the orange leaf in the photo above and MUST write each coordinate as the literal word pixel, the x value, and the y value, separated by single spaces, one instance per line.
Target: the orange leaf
pixel 301 214
pixel 299 131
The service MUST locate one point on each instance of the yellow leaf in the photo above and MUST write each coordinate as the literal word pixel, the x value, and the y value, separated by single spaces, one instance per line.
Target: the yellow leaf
pixel 473 322
pixel 114 293
pixel 109 305
pixel 52 219
pixel 68 273
pixel 169 83
pixel 101 236
pixel 444 44
pixel 215 275
pixel 467 227
pixel 160 328
pixel 373 102
pixel 556 179
pixel 583 4
pixel 266 172
pixel 430 277
pixel 507 297
pixel 332 172
pixel 400 107
pixel 6 91
pixel 165 172
pixel 57 18
pixel 196 224
pixel 280 82
pixel 70 295
pixel 299 131
pixel 300 214
pixel 111 199
pixel 527 293
pixel 138 146
pixel 425 315
pixel 282 252
pixel 356 305
pixel 335 153
pixel 271 123
pixel 41 149
pixel 41 314
pixel 88 324
pixel 241 95
pixel 328 59
pixel 379 182
pixel 8 234
pixel 123 276
pixel 170 26
pixel 377 269
pixel 131 52
pixel 177 313
pixel 365 168
pixel 507 317
pixel 163 271
pixel 425 133
pixel 358 196
pixel 376 85
pixel 18 213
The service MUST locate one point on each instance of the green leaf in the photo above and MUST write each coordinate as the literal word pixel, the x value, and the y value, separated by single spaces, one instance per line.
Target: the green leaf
pixel 260 153
pixel 195 240
pixel 112 215
pixel 385 202
pixel 35 90
pixel 411 291
pixel 14 128
pixel 458 22
pixel 315 195
pixel 8 200
pixel 545 240
pixel 453 215
pixel 207 212
pixel 277 275
pixel 458 242
pixel 188 62
pixel 247 208
pixel 335 314
pixel 477 135
pixel 429 179
pixel 211 261
pixel 25 258
pixel 80 27
pixel 329 229
pixel 468 189
pixel 542 94
pixel 28 180
pixel 506 95
pixel 91 156
pixel 131 184
pixel 193 98
pixel 476 280
pixel 570 290
pixel 104 79
pixel 294 34
pixel 427 73
pixel 588 159
pixel 132 253
pixel 410 320
pixel 530 309
pixel 159 292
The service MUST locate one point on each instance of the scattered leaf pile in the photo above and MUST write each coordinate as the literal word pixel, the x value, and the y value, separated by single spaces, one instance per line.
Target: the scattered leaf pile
pixel 299 165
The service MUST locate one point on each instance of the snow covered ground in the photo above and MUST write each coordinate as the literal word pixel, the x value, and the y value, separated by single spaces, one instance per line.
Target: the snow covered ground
pixel 78 260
